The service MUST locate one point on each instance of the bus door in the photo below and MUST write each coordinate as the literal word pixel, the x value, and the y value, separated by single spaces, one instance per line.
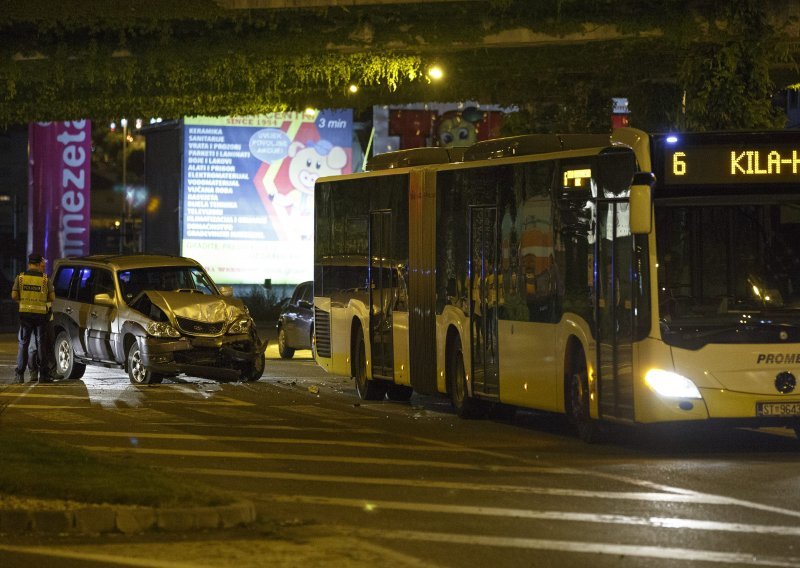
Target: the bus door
pixel 382 293
pixel 614 315
pixel 484 247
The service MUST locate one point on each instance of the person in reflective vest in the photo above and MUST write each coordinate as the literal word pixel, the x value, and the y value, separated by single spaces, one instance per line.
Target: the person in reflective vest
pixel 35 294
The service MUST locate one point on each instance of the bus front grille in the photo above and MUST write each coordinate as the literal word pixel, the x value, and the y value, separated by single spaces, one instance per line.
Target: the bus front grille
pixel 322 332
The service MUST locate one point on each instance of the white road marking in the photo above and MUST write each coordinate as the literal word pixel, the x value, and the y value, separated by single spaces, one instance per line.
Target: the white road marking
pixel 57 392
pixel 39 394
pixel 248 439
pixel 63 417
pixel 678 495
pixel 216 402
pixel 467 486
pixel 684 555
pixel 309 458
pixel 107 559
pixel 637 482
pixel 281 427
pixel 653 522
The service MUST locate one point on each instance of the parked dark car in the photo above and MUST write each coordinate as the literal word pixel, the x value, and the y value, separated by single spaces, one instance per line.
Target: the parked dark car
pixel 154 316
pixel 296 322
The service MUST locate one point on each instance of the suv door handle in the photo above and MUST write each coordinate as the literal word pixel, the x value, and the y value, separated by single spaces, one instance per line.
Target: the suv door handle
pixel 68 310
pixel 94 314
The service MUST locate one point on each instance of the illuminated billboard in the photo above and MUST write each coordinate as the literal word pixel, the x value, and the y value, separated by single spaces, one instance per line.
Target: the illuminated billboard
pixel 247 202
pixel 59 166
pixel 435 124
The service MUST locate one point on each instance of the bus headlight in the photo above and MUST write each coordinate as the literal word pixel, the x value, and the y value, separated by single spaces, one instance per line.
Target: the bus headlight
pixel 671 385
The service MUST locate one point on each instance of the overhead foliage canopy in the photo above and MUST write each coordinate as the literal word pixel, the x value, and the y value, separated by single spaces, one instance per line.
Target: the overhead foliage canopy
pixel 558 60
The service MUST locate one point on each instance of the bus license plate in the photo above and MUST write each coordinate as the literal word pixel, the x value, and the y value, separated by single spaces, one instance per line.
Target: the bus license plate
pixel 778 409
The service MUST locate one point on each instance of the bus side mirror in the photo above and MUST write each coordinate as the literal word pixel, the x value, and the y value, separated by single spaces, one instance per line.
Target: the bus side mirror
pixel 641 204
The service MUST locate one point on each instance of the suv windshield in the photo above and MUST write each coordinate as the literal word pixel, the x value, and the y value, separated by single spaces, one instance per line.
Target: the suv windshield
pixel 164 278
pixel 728 273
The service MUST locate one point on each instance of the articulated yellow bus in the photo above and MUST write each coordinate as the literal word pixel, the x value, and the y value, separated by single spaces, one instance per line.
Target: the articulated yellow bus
pixel 633 278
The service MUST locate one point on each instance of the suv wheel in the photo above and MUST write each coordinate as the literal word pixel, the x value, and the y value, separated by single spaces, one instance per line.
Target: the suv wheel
pixel 254 372
pixel 137 372
pixel 66 366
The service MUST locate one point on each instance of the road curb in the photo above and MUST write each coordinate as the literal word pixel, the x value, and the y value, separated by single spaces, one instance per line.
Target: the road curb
pixel 126 519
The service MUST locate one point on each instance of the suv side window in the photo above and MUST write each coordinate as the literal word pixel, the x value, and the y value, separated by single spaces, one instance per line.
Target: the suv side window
pixel 104 283
pixel 62 281
pixel 86 279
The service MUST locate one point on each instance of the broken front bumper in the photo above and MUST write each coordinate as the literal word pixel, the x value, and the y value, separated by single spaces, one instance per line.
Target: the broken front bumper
pixel 219 358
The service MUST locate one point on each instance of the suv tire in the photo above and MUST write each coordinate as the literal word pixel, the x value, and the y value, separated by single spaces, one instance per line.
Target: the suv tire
pixel 66 366
pixel 137 372
pixel 254 372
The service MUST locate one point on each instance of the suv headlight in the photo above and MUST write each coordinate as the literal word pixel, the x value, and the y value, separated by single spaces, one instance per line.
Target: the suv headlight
pixel 239 327
pixel 161 329
pixel 671 385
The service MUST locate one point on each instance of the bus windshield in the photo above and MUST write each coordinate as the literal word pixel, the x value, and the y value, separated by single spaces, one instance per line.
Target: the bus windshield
pixel 728 273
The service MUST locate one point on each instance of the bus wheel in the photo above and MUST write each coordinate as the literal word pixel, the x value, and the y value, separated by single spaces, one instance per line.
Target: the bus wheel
pixel 588 429
pixel 399 393
pixel 366 388
pixel 465 405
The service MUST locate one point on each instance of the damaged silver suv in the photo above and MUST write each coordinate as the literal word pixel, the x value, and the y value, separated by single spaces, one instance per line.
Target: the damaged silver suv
pixel 154 316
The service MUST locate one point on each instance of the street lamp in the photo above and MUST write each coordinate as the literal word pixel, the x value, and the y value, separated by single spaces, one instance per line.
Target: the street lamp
pixel 435 72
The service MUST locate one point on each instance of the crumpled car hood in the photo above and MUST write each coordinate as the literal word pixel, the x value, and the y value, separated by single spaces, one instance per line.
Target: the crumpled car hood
pixel 198 307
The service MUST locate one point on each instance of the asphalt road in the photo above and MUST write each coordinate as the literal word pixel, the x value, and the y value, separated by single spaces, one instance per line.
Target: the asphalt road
pixel 339 482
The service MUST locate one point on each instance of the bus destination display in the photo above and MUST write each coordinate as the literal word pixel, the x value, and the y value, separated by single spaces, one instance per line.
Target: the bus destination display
pixel 732 164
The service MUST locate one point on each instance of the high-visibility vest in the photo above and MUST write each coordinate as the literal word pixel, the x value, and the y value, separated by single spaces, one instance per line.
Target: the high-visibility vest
pixel 33 293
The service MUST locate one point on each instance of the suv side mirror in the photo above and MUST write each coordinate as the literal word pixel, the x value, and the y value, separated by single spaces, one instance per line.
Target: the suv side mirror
pixel 304 304
pixel 226 291
pixel 104 300
pixel 641 203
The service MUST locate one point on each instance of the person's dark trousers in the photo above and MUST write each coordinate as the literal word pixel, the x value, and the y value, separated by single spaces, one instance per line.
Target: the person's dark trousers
pixel 33 327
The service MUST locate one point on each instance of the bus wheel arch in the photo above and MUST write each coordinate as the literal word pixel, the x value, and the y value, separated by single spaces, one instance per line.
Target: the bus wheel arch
pixel 576 393
pixel 367 389
pixel 453 339
pixel 457 383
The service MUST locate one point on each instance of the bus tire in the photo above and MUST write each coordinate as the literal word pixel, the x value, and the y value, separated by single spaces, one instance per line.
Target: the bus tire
pixel 399 393
pixel 367 389
pixel 588 430
pixel 464 405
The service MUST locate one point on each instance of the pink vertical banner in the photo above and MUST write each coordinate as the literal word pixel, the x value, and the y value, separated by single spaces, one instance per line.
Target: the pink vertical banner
pixel 59 173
